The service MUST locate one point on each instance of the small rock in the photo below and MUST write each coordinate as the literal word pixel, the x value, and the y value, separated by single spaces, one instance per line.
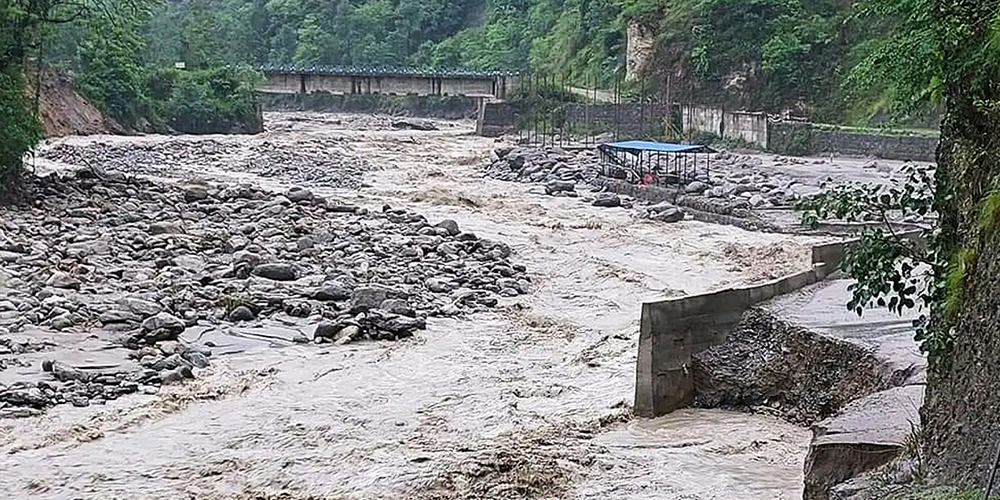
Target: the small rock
pixel 165 228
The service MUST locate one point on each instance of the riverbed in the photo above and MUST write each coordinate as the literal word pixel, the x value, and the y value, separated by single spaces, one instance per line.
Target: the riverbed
pixel 529 401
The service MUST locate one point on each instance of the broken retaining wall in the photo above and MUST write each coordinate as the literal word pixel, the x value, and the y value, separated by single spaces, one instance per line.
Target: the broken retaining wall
pixel 672 331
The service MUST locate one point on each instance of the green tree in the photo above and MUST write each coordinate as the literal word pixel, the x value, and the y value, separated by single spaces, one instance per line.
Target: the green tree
pixel 111 71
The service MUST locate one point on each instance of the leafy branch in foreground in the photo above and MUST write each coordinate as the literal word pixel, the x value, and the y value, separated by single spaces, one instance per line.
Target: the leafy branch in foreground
pixel 891 269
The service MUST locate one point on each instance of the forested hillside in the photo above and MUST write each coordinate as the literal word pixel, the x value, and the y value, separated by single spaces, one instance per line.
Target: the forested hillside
pixel 777 55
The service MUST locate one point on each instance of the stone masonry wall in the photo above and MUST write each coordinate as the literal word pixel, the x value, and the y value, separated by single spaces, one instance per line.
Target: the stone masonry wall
pixel 807 139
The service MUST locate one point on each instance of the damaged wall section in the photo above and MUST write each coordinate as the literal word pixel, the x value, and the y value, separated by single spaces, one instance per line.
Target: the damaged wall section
pixel 672 331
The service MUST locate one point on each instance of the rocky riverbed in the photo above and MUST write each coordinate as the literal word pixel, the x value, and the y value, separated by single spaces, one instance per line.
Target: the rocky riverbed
pixel 727 183
pixel 314 162
pixel 527 399
pixel 101 250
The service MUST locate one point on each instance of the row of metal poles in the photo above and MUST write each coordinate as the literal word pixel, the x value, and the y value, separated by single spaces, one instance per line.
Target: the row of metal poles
pixel 552 111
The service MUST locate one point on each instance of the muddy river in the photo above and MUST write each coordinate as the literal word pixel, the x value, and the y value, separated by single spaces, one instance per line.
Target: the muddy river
pixel 530 401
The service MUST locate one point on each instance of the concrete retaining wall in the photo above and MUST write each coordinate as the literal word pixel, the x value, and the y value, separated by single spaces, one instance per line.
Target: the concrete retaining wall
pixel 671 331
pixel 795 138
pixel 699 119
pixel 497 119
pixel 748 128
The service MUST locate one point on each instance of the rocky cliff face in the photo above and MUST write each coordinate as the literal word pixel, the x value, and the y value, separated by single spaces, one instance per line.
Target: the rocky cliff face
pixel 640 40
pixel 962 413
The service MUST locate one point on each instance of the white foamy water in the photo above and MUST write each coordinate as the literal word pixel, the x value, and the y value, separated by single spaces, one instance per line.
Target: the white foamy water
pixel 525 401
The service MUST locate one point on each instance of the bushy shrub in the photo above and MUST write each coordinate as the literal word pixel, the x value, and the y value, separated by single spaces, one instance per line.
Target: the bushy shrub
pixel 216 100
pixel 111 73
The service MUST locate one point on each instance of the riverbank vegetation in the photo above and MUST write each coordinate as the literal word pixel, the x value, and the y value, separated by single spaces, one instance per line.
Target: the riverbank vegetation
pixel 105 45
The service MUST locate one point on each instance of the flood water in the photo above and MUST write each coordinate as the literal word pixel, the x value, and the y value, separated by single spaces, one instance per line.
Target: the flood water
pixel 529 401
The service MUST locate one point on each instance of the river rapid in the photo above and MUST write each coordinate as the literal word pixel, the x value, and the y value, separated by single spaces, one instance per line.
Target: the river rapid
pixel 529 401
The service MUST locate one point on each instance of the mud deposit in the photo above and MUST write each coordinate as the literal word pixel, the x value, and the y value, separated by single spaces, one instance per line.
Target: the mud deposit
pixel 528 399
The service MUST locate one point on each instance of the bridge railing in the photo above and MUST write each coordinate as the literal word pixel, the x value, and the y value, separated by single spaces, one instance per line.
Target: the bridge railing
pixel 384 71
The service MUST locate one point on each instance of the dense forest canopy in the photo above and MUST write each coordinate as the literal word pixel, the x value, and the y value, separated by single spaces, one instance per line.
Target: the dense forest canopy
pixel 777 55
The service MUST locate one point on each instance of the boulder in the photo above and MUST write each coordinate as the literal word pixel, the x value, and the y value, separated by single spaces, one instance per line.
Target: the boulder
pixel 163 324
pixel 369 297
pixel 241 313
pixel 165 228
pixel 332 292
pixel 696 187
pixel 438 285
pixel 277 271
pixel 195 193
pixel 60 279
pixel 414 124
pixel 297 194
pixel 555 187
pixel 450 226
pixel 607 200
pixel 758 201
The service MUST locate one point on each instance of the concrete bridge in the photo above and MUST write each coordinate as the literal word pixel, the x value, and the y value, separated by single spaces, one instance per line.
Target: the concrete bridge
pixel 386 81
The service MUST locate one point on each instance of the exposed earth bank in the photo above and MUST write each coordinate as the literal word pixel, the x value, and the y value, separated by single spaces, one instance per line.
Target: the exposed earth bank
pixel 64 112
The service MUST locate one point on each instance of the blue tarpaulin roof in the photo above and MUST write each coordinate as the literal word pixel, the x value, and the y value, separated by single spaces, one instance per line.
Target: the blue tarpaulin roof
pixel 659 147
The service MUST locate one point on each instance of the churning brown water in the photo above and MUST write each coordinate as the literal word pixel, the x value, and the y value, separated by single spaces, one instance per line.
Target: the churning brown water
pixel 531 400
